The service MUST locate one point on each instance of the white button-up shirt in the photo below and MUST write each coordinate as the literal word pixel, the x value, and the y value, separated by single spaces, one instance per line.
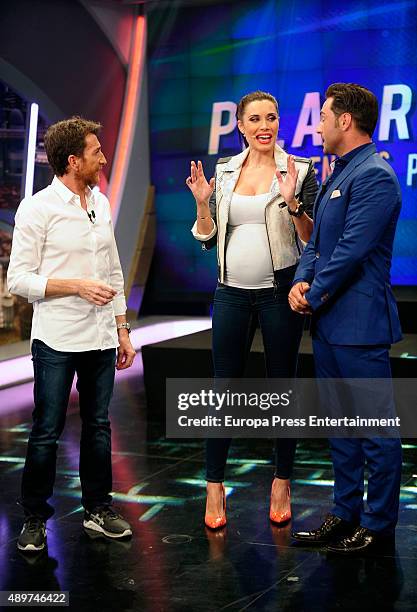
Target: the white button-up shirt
pixel 54 238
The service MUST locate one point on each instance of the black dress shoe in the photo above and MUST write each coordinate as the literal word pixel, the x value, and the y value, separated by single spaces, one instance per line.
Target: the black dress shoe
pixel 333 528
pixel 363 541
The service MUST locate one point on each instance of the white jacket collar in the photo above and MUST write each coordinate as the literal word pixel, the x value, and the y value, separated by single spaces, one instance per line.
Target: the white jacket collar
pixel 236 162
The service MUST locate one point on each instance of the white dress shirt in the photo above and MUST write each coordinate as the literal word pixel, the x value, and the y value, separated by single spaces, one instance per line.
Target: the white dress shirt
pixel 54 238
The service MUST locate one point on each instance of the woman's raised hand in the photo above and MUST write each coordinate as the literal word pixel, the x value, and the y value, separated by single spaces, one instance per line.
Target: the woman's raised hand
pixel 288 184
pixel 197 182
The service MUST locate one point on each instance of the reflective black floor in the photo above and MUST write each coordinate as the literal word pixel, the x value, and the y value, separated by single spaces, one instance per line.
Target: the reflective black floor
pixel 172 562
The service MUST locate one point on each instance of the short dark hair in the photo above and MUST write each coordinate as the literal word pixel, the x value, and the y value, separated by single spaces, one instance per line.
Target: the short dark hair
pixel 253 96
pixel 67 138
pixel 358 102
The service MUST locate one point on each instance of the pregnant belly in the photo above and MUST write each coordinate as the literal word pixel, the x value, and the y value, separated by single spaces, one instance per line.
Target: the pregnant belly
pixel 248 259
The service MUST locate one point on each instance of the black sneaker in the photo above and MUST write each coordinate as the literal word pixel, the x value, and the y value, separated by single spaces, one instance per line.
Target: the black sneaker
pixel 33 535
pixel 106 520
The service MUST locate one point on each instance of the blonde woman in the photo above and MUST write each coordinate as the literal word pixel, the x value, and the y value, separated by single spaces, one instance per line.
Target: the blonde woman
pixel 257 211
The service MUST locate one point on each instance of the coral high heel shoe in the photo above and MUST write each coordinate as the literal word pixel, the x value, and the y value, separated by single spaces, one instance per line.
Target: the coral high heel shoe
pixel 216 522
pixel 280 518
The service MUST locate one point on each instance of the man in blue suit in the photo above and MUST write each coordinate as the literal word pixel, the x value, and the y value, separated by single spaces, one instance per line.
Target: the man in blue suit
pixel 343 279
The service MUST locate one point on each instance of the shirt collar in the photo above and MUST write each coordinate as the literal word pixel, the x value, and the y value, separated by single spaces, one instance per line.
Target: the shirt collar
pixel 345 159
pixel 66 194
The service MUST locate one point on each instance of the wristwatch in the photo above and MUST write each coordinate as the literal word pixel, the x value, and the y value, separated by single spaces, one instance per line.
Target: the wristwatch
pixel 123 326
pixel 298 211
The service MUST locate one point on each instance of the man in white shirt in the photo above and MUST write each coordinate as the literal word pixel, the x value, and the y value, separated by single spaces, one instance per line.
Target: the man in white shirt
pixel 64 260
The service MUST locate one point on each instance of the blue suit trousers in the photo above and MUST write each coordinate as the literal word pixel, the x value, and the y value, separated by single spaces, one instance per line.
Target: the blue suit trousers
pixel 383 456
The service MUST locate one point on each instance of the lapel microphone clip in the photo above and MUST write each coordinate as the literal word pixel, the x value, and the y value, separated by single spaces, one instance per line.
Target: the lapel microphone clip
pixel 92 216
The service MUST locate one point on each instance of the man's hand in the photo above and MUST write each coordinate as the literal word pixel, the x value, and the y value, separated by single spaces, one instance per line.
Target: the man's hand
pixel 297 300
pixel 95 292
pixel 125 351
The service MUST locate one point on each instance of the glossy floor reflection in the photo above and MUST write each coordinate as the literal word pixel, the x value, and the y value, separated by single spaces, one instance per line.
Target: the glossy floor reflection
pixel 173 563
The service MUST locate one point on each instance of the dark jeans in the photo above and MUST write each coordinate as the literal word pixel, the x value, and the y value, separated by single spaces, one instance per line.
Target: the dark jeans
pixel 235 314
pixel 54 373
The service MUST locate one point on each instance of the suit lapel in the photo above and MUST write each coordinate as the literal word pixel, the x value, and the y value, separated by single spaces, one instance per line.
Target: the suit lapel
pixel 360 157
pixel 319 197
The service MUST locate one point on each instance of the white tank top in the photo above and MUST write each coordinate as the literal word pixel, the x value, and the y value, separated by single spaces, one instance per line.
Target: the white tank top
pixel 248 258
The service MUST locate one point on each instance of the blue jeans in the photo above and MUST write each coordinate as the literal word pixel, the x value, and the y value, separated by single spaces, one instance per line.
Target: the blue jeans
pixel 54 373
pixel 235 314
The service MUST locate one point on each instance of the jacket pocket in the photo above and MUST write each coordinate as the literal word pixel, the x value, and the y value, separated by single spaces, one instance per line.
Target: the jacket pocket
pixel 362 287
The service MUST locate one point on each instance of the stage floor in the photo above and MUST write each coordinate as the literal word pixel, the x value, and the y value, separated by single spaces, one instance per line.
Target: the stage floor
pixel 173 563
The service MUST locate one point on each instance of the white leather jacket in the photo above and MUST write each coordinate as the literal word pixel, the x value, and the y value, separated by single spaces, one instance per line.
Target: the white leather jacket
pixel 284 244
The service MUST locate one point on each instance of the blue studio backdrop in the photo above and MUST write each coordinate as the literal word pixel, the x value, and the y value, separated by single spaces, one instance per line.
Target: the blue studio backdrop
pixel 202 60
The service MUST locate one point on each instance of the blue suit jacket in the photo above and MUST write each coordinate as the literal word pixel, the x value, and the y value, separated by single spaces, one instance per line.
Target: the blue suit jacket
pixel 348 259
